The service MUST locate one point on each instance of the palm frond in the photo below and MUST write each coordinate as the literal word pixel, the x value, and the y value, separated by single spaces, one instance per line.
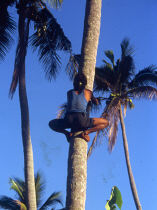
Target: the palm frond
pixel 39 187
pixel 104 79
pixel 113 131
pixel 55 3
pixel 146 76
pixel 22 205
pixel 109 65
pixel 18 186
pixel 109 54
pixel 48 39
pixel 92 145
pixel 73 65
pixel 93 107
pixel 14 83
pixel 62 110
pixel 15 76
pixel 108 113
pixel 111 113
pixel 8 203
pixel 126 69
pixel 148 92
pixel 125 109
pixel 126 49
pixel 7 28
pixel 52 200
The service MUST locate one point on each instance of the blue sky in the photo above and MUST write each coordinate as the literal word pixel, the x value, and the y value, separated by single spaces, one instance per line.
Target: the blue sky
pixel 124 18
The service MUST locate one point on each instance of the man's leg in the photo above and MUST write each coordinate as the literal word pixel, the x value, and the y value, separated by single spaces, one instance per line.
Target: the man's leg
pixel 98 124
pixel 59 125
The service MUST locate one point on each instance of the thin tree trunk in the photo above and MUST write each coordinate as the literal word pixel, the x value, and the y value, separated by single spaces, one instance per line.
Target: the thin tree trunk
pixel 27 145
pixel 77 161
pixel 131 177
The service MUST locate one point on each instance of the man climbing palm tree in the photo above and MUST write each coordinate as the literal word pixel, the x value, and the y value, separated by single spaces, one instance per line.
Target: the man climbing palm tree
pixel 76 116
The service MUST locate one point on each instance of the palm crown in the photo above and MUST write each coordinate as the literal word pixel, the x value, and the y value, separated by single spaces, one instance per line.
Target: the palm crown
pixel 120 84
pixel 47 39
pixel 18 186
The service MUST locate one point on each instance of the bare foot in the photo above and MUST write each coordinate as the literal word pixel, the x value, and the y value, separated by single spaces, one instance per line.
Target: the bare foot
pixel 85 136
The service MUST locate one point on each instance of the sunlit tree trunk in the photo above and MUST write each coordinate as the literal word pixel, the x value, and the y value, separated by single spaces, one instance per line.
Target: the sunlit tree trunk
pixel 77 161
pixel 131 177
pixel 27 145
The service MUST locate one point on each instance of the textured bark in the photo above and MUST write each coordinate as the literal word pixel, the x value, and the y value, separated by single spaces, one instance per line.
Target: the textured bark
pixel 90 40
pixel 77 161
pixel 27 145
pixel 77 175
pixel 131 177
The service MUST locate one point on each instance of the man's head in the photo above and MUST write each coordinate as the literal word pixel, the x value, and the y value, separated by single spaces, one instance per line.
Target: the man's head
pixel 80 81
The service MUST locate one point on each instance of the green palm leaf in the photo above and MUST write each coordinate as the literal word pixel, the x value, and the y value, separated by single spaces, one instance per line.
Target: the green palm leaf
pixel 126 69
pixel 39 188
pixel 48 39
pixel 52 200
pixel 148 92
pixel 7 27
pixel 105 79
pixel 18 186
pixel 73 65
pixel 126 49
pixel 110 55
pixel 8 203
pixel 146 76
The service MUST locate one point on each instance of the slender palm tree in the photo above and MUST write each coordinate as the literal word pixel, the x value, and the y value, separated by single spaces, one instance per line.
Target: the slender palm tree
pixel 77 160
pixel 47 39
pixel 19 188
pixel 120 84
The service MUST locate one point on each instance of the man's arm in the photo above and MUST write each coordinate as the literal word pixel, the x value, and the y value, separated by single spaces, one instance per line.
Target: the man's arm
pixel 88 94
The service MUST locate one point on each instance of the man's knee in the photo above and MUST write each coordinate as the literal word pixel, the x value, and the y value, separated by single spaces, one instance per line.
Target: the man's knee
pixel 52 124
pixel 106 122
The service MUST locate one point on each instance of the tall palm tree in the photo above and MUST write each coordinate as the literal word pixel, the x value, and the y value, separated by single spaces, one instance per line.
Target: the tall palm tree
pixel 77 160
pixel 19 188
pixel 119 83
pixel 47 39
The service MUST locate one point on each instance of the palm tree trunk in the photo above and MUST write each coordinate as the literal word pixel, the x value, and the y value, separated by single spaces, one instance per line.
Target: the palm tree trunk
pixel 77 161
pixel 27 145
pixel 77 175
pixel 131 177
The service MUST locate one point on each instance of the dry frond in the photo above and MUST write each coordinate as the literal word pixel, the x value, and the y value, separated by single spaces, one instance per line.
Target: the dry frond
pixel 125 108
pixel 62 111
pixel 92 145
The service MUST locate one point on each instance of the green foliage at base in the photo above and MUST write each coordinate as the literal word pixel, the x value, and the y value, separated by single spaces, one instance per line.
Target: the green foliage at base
pixel 115 199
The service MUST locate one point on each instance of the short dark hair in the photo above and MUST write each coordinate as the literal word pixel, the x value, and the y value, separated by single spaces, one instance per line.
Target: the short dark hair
pixel 80 81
